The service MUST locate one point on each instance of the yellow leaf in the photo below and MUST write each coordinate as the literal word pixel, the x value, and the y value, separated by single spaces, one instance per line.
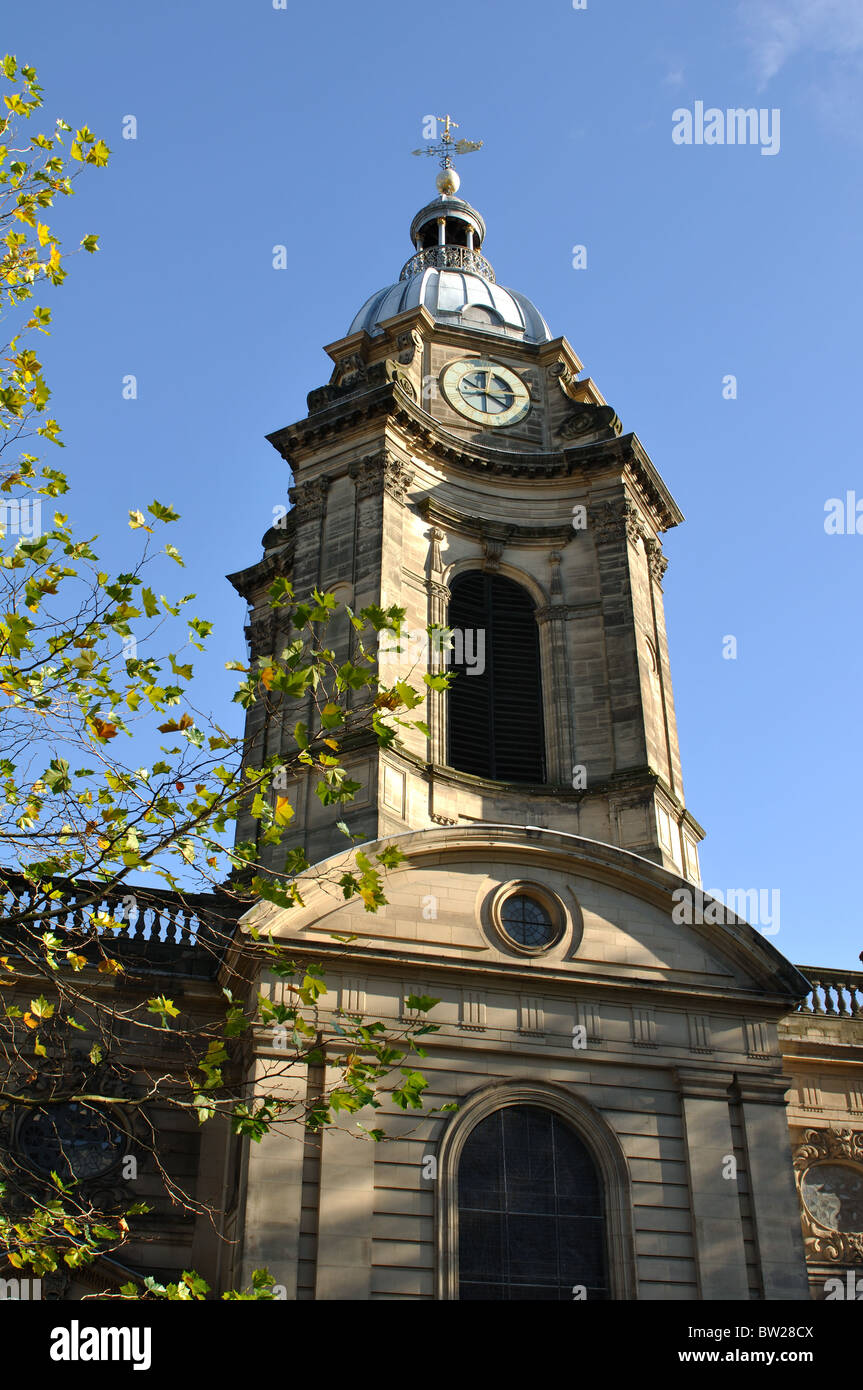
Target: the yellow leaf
pixel 110 967
pixel 268 675
pixel 284 810
pixel 30 1021
pixel 39 1048
pixel 138 522
pixel 44 234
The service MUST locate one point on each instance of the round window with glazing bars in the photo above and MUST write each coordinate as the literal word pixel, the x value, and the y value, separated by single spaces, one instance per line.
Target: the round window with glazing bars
pixel 528 917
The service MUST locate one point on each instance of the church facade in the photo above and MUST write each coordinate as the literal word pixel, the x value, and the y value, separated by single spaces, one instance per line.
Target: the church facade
pixel 621 1059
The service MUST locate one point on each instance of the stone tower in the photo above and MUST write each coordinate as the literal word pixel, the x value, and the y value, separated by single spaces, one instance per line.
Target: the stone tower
pixel 457 435
pixel 621 1059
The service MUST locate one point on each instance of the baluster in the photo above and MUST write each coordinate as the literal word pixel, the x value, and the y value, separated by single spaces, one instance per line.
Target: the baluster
pixel 843 1010
pixel 852 994
pixel 828 1001
pixel 162 918
pixel 146 924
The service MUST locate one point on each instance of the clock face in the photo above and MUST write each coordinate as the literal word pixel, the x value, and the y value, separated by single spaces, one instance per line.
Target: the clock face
pixel 485 391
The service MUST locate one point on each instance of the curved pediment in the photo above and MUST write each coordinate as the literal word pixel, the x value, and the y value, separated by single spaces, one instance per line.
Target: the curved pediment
pixel 615 912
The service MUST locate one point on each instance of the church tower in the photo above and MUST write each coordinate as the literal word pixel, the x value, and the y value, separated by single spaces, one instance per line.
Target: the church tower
pixel 459 466
pixel 605 1109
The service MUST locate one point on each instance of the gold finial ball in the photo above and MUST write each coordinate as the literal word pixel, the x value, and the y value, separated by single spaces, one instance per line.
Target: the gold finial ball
pixel 447 182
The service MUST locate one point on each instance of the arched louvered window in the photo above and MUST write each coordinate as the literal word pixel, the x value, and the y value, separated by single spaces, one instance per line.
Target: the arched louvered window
pixel 531 1218
pixel 495 701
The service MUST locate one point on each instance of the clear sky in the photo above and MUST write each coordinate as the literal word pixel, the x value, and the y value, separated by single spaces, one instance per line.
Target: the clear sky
pixel 259 127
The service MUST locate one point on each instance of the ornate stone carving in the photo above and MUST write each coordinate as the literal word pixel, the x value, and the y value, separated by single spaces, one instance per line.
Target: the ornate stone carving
pixel 435 535
pixel 397 478
pixel 606 519
pixel 350 370
pixel 635 530
pixel 310 498
pixel 612 520
pixel 403 381
pixel 555 587
pixel 493 549
pixel 820 1218
pixel 553 612
pixel 353 375
pixel 381 472
pixel 585 420
pixel 657 562
pixel 560 372
pixel 262 633
pixel 367 476
pixel 408 345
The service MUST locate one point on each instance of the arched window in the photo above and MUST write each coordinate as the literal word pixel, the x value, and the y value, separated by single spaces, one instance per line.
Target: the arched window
pixel 495 701
pixel 531 1218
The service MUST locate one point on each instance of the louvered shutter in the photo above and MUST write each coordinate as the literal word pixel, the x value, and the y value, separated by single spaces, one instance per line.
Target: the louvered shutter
pixel 495 718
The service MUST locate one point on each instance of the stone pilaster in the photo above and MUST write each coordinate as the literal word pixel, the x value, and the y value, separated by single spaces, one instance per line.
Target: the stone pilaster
pixel 273 1182
pixel 346 1207
pixel 771 1181
pixel 716 1217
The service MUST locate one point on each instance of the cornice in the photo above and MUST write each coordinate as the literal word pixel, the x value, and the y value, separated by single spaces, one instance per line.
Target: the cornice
pixel 437 514
pixel 278 543
pixel 390 398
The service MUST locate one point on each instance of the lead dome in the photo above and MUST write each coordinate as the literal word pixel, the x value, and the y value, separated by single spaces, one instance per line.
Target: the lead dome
pixel 450 277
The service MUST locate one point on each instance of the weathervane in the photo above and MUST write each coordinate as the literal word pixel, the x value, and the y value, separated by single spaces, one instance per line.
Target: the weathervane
pixel 448 180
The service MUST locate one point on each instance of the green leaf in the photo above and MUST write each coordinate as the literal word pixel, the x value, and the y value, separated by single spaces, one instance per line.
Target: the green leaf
pixel 162 513
pixel 57 776
pixel 151 603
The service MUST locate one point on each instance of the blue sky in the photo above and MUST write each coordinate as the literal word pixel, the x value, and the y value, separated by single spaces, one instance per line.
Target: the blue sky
pixel 259 127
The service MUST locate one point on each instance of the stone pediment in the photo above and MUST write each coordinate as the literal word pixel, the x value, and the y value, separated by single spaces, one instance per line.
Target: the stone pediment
pixel 614 911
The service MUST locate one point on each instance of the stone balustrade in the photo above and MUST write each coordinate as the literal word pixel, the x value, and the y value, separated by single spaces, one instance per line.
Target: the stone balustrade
pixel 155 925
pixel 835 993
